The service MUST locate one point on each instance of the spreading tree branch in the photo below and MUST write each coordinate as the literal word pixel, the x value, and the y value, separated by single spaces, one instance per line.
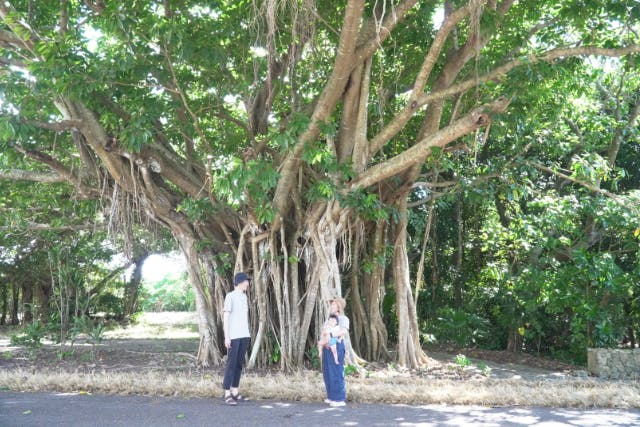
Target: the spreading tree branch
pixel 23 175
pixel 476 118
pixel 585 184
pixel 61 170
pixel 63 126
pixel 496 75
pixel 330 96
pixel 54 228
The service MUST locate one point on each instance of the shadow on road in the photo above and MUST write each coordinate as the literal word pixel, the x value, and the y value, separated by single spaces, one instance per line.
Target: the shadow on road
pixel 54 409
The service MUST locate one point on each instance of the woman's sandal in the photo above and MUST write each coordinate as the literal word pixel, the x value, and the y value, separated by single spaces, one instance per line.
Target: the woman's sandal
pixel 240 398
pixel 229 400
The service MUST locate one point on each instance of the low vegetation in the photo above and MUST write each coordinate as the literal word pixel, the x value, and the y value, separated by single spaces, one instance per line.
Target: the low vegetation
pixel 156 356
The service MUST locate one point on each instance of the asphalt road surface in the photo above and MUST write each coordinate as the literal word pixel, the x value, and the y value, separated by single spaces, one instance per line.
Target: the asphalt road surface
pixel 65 409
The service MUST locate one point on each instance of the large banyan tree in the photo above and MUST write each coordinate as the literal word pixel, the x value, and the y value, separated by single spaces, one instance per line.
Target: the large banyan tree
pixel 283 138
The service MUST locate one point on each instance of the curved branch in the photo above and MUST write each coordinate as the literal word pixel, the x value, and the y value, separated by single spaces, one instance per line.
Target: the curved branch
pixel 224 114
pixel 499 73
pixel 344 64
pixel 12 62
pixel 61 170
pixel 587 185
pixel 57 228
pixel 185 103
pixel 96 6
pixel 24 175
pixel 496 75
pixel 62 126
pixel 436 47
pixel 372 35
pixel 416 154
pixel 9 40
pixel 18 26
pixel 162 153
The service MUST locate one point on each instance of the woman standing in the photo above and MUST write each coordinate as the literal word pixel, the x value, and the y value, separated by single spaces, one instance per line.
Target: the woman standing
pixel 332 373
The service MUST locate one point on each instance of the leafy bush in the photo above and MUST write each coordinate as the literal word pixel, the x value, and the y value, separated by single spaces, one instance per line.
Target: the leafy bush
pixel 314 357
pixel 110 304
pixel 350 370
pixel 169 294
pixel 94 329
pixel 462 360
pixel 459 327
pixel 31 336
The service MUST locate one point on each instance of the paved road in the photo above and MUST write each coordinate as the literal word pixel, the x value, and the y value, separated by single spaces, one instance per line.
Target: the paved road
pixel 64 409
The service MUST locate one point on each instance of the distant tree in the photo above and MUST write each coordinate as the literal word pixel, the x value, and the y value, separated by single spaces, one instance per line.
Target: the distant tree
pixel 169 294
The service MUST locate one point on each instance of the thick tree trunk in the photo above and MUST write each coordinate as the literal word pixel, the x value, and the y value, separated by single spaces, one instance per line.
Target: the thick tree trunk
pixel 43 293
pixel 459 281
pixel 410 352
pixel 375 286
pixel 435 259
pixel 260 297
pixel 4 295
pixel 15 303
pixel 282 308
pixel 631 336
pixel 367 291
pixel 27 303
pixel 209 313
pixel 361 333
pixel 514 340
pixel 132 288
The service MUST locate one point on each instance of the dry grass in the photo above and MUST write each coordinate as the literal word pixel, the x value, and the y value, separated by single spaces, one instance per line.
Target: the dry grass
pixel 307 386
pixel 381 386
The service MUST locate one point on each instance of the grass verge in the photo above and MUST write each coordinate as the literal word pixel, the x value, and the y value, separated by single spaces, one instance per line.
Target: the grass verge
pixel 307 386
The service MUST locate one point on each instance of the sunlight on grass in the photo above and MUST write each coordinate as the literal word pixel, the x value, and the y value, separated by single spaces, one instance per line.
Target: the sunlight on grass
pixel 163 325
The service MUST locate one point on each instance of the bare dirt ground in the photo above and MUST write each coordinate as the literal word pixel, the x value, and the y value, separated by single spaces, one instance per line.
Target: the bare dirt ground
pixel 159 342
pixel 112 355
pixel 134 349
pixel 496 364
